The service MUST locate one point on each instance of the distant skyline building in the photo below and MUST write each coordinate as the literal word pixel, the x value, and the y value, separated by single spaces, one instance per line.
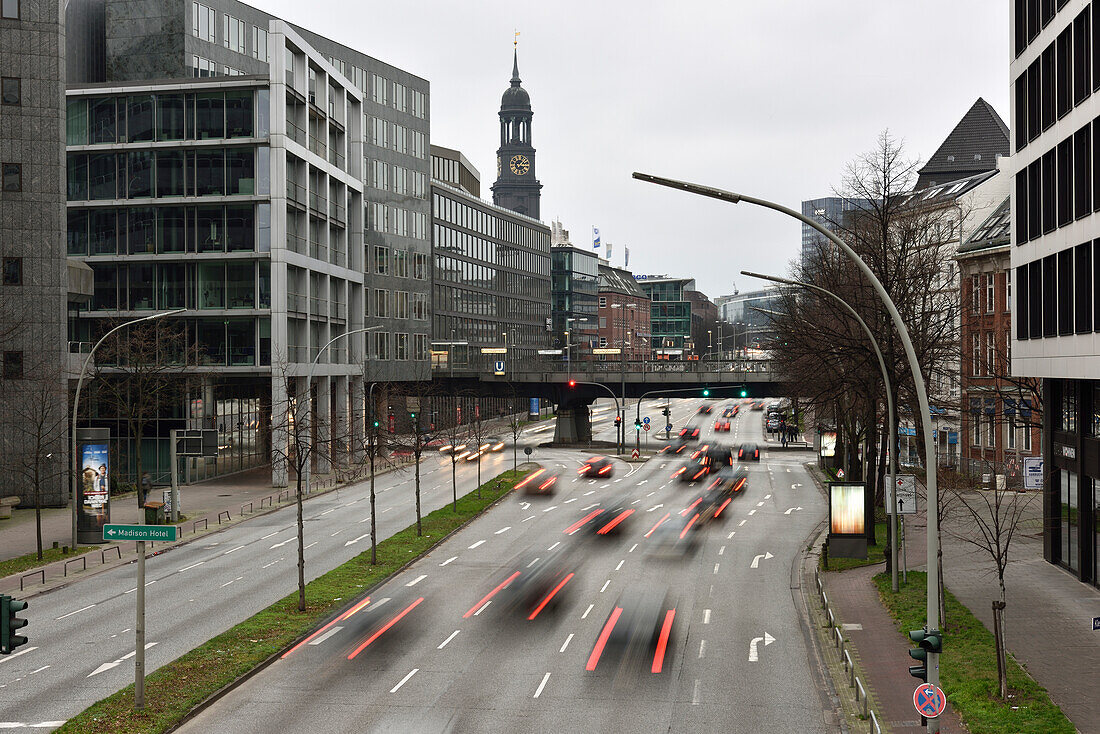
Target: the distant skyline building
pixel 829 212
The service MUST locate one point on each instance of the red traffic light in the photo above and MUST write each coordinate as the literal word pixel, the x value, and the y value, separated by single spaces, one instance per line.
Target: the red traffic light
pixel 572 383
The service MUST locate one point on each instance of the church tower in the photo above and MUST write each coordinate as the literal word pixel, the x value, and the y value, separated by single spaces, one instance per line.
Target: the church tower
pixel 516 187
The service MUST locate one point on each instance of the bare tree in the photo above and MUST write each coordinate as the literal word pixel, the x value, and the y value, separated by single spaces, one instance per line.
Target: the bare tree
pixel 989 522
pixel 454 434
pixel 139 373
pixel 417 396
pixel 35 440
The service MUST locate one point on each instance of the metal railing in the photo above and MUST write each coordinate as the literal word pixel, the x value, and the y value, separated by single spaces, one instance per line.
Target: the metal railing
pixel 295 133
pixel 297 243
pixel 481 362
pixel 296 192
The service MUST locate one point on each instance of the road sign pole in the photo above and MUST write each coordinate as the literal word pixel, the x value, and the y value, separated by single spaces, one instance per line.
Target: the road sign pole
pixel 904 545
pixel 139 631
pixel 173 462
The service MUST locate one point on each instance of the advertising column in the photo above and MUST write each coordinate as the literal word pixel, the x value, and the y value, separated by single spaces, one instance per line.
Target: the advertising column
pixel 93 484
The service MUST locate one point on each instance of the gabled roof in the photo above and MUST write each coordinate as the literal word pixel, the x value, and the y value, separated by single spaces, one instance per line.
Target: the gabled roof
pixel 615 280
pixel 995 231
pixel 972 147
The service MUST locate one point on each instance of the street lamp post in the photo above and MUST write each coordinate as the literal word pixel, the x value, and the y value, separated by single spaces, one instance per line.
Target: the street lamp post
pixel 932 609
pixel 890 417
pixel 76 403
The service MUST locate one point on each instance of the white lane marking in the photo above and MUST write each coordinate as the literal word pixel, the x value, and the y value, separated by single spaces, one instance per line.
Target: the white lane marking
pixel 538 691
pixel 594 504
pixel 265 537
pixel 632 548
pixel 14 655
pixel 227 583
pixel 116 663
pixel 620 565
pixel 555 545
pixel 310 545
pixel 548 509
pixel 586 611
pixel 272 563
pixel 383 513
pixel 404 680
pixel 529 517
pixel 635 501
pixel 277 545
pixel 706 616
pixel 605 486
pixel 702 648
pixel 78 611
pixel 532 563
pixel 741 523
pixel 651 509
pixel 326 635
pixel 39 670
pixel 231 550
pixel 605 585
pixel 451 637
pixel 576 480
pixel 483 607
pixel 504 529
pixel 651 494
pixel 417 580
pixel 695 694
pixel 730 536
pixel 722 551
pixel 356 540
pixel 759 504
pixel 452 558
pixel 767 497
pixel 716 568
pixel 573 499
pixel 591 491
pixel 365 519
pixel 643 482
pixel 566 644
pixel 752 512
pixel 327 511
pixel 475 545
pixel 195 565
pixel 619 479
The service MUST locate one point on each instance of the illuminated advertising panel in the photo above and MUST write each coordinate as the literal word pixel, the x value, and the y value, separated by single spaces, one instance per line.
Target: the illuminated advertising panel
pixel 93 484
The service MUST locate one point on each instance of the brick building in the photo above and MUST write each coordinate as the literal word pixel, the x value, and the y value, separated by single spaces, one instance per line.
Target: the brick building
pixel 623 312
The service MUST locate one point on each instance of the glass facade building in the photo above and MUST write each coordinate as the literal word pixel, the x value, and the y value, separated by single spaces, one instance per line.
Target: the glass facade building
pixel 574 287
pixel 670 315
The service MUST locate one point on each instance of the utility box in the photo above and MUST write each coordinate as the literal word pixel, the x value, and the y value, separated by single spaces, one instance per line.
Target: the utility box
pixel 154 513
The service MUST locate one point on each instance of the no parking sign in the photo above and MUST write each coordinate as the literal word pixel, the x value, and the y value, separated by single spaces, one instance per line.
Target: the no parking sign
pixel 929 700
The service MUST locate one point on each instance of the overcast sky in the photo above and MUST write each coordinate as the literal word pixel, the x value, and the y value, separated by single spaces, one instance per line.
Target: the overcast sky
pixel 769 98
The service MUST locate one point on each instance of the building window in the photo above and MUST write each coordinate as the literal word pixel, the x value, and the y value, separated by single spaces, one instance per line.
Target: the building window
pixel 1010 436
pixel 976 354
pixel 990 428
pixel 9 9
pixel 13 365
pixel 201 67
pixel 975 294
pixel 13 271
pixel 259 43
pixel 420 266
pixel 990 281
pixel 202 22
pixel 401 347
pixel 1008 291
pixel 11 178
pixel 603 302
pixel 401 263
pixel 1067 482
pixel 381 345
pixel 990 354
pixel 234 32
pixel 401 304
pixel 420 344
pixel 381 304
pixel 381 260
pixel 10 91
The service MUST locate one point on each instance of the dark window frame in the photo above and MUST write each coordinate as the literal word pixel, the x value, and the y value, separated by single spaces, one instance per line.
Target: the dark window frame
pixel 13 365
pixel 1082 173
pixel 1082 298
pixel 13 271
pixel 1022 302
pixel 18 168
pixel 5 81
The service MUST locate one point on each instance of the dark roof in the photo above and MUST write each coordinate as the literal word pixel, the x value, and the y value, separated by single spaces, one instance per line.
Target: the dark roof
pixel 614 280
pixel 995 231
pixel 972 147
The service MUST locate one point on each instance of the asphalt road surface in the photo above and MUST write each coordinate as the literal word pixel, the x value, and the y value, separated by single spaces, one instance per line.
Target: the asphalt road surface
pixel 529 619
pixel 81 639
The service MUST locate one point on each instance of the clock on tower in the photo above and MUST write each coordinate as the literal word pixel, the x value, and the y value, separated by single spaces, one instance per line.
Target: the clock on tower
pixel 516 187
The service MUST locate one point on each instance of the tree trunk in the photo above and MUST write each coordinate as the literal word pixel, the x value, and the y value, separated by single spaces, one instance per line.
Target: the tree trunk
pixel 38 510
pixel 999 642
pixel 373 530
pixel 301 549
pixel 454 483
pixel 416 484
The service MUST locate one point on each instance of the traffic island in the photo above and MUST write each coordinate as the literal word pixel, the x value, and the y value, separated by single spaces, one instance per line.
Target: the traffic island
pixel 199 677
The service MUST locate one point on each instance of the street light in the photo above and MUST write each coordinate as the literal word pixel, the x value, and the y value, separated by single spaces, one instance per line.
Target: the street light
pixel 76 400
pixel 932 608
pixel 889 407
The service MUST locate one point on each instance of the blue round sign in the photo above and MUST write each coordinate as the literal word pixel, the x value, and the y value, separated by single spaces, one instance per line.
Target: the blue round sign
pixel 646 420
pixel 929 700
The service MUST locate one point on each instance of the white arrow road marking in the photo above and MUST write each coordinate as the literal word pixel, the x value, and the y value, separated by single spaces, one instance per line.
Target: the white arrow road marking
pixel 766 639
pixel 356 540
pixel 792 509
pixel 524 505
pixel 756 560
pixel 326 635
pixel 795 486
pixel 116 663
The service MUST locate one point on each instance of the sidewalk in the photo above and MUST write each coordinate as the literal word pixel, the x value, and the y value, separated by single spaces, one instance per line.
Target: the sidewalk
pixel 1048 620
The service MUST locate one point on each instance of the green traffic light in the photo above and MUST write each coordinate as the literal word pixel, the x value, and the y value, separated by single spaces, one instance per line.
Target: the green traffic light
pixel 9 623
pixel 929 641
pixel 706 393
pixel 744 393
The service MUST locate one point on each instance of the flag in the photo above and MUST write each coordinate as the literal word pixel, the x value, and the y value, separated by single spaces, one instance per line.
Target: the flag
pixel 609 252
pixel 595 238
pixel 626 257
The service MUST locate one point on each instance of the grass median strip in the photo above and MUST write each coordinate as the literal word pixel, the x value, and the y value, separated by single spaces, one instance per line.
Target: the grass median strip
pixel 19 564
pixel 968 668
pixel 174 689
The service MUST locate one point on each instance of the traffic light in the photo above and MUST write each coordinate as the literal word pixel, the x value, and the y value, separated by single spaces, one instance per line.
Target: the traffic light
pixel 744 393
pixel 9 623
pixel 666 412
pixel 572 383
pixel 637 424
pixel 377 424
pixel 618 421
pixel 706 393
pixel 929 641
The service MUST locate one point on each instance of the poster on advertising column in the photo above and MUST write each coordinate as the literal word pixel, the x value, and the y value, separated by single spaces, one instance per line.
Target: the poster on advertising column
pixel 847 520
pixel 93 483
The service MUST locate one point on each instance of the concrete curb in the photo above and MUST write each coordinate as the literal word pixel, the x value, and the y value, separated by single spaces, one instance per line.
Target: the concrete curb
pixel 233 685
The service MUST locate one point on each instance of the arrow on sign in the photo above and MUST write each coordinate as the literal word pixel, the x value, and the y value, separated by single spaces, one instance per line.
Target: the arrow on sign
pixel 792 509
pixel 766 639
pixel 756 560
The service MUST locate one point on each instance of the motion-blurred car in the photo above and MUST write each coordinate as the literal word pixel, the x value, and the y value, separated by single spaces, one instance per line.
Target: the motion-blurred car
pixel 641 620
pixel 693 470
pixel 673 537
pixel 726 485
pixel 612 517
pixel 457 448
pixel 729 412
pixel 597 467
pixel 676 447
pixel 541 482
pixel 705 409
pixel 772 424
pixel 748 452
pixel 689 433
pixel 537 582
pixel 721 457
pixel 721 425
pixel 757 405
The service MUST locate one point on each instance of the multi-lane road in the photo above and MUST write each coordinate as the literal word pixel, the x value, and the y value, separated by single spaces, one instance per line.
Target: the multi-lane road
pixel 81 644
pixel 717 643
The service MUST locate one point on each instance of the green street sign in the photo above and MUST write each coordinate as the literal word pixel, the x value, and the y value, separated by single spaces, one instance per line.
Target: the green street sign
pixel 140 532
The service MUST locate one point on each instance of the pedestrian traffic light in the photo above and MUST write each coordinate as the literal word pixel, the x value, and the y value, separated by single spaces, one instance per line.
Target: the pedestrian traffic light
pixel 637 424
pixel 666 412
pixel 9 623
pixel 744 393
pixel 929 641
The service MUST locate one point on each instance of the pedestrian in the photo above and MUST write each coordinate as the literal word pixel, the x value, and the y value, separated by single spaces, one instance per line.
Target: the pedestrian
pixel 783 432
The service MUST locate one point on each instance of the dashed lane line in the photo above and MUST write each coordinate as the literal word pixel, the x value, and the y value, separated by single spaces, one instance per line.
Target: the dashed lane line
pixel 475 545
pixel 566 643
pixel 404 680
pixel 452 558
pixel 451 637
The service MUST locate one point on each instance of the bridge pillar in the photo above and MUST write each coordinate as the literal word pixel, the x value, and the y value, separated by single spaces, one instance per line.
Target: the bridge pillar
pixel 573 425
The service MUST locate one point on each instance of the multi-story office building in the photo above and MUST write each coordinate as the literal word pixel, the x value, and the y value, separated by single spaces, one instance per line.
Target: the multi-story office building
pixel 574 281
pixel 1055 75
pixel 829 212
pixel 34 281
pixel 670 315
pixel 999 425
pixel 746 316
pixel 623 312
pixel 491 273
pixel 279 182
